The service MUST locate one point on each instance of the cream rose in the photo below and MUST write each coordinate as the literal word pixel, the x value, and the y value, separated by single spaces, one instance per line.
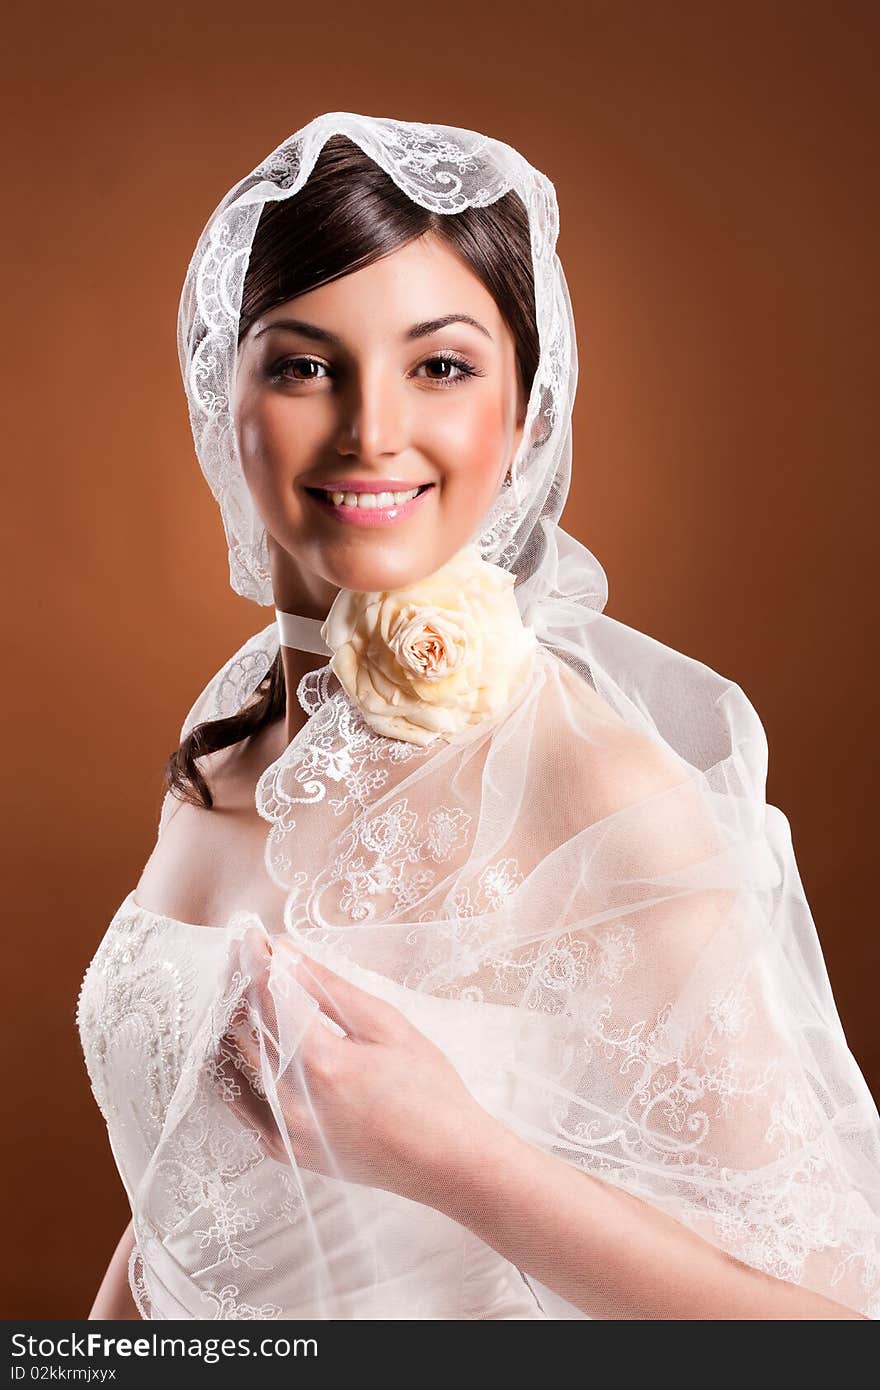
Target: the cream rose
pixel 434 658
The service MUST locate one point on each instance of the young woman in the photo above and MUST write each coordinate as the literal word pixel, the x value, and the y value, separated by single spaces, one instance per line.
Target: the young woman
pixel 471 975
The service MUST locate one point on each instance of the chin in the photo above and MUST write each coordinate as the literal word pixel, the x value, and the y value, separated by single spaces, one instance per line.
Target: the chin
pixel 385 571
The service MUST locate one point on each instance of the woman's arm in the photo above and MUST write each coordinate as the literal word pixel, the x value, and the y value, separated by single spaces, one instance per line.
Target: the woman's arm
pixel 386 1103
pixel 603 1249
pixel 114 1300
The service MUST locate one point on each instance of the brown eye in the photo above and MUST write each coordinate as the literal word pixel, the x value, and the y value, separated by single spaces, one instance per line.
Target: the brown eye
pixel 281 369
pixel 453 368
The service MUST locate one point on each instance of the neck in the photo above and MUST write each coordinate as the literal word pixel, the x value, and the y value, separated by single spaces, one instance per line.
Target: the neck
pixel 298 590
pixel 303 649
pixel 295 664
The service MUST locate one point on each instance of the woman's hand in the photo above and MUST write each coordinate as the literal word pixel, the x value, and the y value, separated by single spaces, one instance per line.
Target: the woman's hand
pixel 382 1105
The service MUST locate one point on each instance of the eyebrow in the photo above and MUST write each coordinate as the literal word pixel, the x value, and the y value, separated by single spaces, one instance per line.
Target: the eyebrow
pixel 418 330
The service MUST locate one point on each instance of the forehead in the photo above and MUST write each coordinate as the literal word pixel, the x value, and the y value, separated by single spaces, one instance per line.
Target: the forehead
pixel 422 280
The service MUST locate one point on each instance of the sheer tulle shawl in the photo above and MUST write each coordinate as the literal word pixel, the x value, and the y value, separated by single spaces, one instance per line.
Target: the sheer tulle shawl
pixel 611 943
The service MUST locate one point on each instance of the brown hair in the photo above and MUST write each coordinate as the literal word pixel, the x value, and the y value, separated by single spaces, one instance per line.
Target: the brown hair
pixel 348 214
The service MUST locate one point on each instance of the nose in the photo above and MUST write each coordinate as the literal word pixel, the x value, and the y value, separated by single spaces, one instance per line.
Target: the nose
pixel 373 416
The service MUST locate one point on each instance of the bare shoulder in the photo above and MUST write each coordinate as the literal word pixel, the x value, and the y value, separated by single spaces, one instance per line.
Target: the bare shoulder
pixel 596 770
pixel 622 762
pixel 582 695
pixel 637 814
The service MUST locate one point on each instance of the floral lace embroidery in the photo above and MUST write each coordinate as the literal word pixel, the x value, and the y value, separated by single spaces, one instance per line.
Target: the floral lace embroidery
pixel 343 753
pixel 227 1306
pixel 134 1000
pixel 341 748
pixel 137 1282
pixel 204 1171
pixel 775 1216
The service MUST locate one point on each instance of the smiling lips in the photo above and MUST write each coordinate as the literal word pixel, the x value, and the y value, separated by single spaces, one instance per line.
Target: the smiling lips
pixel 370 504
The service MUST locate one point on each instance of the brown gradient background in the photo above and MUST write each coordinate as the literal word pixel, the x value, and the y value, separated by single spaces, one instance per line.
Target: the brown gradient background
pixel 716 172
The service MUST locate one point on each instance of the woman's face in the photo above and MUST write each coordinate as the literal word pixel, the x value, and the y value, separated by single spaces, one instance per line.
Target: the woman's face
pixel 365 393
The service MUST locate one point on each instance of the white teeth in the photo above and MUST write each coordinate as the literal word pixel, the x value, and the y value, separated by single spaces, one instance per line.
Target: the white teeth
pixel 372 499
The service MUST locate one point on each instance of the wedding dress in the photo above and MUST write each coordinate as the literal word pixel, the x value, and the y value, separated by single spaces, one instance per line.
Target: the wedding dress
pixel 148 986
pixel 582 895
pixel 151 978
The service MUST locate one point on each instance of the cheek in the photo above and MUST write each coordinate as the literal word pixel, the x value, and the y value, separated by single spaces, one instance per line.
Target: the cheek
pixel 475 442
pixel 270 449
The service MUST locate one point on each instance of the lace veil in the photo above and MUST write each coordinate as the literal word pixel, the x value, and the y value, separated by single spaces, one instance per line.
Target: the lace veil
pixel 589 905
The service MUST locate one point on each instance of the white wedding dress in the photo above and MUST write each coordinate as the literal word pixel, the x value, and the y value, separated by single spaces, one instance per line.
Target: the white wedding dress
pixel 142 995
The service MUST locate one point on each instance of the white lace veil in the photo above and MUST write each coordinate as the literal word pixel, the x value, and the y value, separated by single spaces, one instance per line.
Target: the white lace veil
pixel 590 907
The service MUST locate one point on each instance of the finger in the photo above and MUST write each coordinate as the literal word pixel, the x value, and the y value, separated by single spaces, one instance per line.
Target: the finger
pixel 360 1013
pixel 254 1113
pixel 243 1051
pixel 254 1054
pixel 320 1053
